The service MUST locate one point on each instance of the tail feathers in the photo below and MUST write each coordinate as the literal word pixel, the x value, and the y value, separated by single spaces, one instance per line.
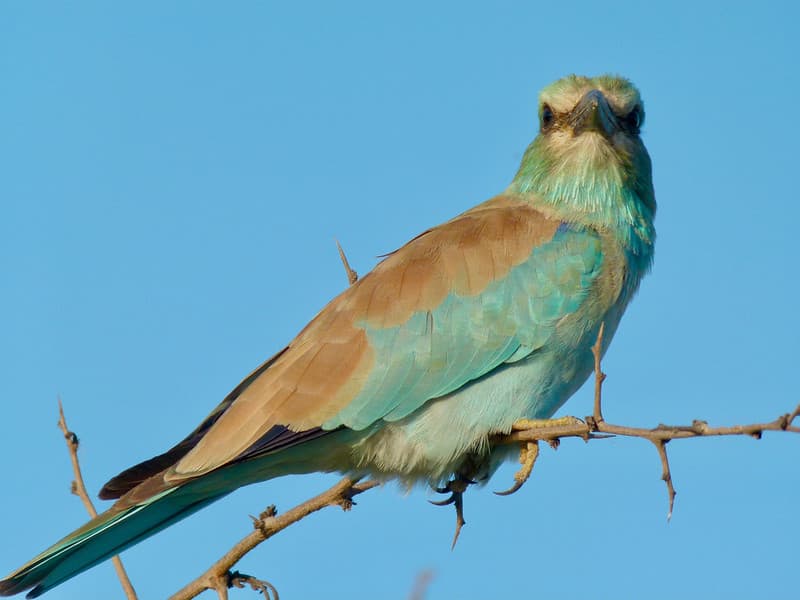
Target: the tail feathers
pixel 104 536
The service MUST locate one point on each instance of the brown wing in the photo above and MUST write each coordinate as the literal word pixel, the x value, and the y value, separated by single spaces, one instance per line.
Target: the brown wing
pixel 327 364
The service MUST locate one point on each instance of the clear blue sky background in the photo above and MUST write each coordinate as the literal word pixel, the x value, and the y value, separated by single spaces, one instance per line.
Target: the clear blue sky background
pixel 173 176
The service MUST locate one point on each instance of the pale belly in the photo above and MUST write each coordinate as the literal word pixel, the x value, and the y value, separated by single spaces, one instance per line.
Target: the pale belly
pixel 434 442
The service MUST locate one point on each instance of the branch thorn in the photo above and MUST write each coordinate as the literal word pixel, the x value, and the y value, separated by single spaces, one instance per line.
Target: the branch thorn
pixel 352 276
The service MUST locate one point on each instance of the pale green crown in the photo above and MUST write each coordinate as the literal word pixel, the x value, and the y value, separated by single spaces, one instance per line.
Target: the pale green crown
pixel 565 93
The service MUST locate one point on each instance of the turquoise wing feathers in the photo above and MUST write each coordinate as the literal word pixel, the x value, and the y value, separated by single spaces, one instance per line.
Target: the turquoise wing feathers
pixel 436 352
pixel 487 287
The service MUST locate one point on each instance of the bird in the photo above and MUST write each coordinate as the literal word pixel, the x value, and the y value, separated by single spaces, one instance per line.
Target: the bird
pixel 473 326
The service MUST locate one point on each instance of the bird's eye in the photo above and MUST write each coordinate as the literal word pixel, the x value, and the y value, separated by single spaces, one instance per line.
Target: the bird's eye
pixel 634 119
pixel 547 116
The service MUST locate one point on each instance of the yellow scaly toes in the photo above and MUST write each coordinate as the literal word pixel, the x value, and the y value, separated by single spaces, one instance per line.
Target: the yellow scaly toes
pixel 529 451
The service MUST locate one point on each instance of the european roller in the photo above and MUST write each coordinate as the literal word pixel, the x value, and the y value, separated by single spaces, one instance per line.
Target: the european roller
pixel 472 326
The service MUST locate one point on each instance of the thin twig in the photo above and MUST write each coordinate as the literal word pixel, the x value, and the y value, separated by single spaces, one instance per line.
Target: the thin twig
pixel 659 436
pixel 421 584
pixel 662 432
pixel 595 425
pixel 666 474
pixel 79 489
pixel 352 276
pixel 599 376
pixel 267 525
pixel 793 415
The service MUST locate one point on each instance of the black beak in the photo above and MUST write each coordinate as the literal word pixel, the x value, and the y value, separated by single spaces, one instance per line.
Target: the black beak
pixel 593 113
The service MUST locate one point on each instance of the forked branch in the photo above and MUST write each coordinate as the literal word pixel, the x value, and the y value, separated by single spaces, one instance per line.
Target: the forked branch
pixel 596 427
pixel 79 489
pixel 219 577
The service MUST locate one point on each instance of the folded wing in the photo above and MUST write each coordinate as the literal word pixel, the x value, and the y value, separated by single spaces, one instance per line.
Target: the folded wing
pixel 451 305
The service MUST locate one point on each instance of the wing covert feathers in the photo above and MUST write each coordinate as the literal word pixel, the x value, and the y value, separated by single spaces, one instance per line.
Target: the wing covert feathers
pixel 326 366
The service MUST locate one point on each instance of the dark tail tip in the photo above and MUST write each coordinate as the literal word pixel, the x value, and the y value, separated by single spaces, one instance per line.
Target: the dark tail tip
pixel 12 585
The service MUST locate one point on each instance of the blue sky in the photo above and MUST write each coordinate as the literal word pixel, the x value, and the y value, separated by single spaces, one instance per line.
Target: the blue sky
pixel 173 178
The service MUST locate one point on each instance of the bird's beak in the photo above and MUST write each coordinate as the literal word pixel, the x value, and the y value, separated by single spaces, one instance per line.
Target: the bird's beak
pixel 592 113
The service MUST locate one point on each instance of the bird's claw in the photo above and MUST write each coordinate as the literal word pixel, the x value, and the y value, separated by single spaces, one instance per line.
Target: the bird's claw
pixel 456 488
pixel 529 452
pixel 446 501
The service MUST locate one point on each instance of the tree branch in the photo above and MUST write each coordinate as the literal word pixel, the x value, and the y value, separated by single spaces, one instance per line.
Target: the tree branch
pixel 79 489
pixel 596 427
pixel 587 431
pixel 220 578
pixel 599 376
pixel 268 523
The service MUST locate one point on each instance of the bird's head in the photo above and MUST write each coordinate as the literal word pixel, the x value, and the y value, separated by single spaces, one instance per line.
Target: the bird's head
pixel 588 157
pixel 577 112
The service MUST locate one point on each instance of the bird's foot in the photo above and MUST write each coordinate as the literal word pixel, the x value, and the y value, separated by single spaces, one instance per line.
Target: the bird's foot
pixel 456 488
pixel 528 453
